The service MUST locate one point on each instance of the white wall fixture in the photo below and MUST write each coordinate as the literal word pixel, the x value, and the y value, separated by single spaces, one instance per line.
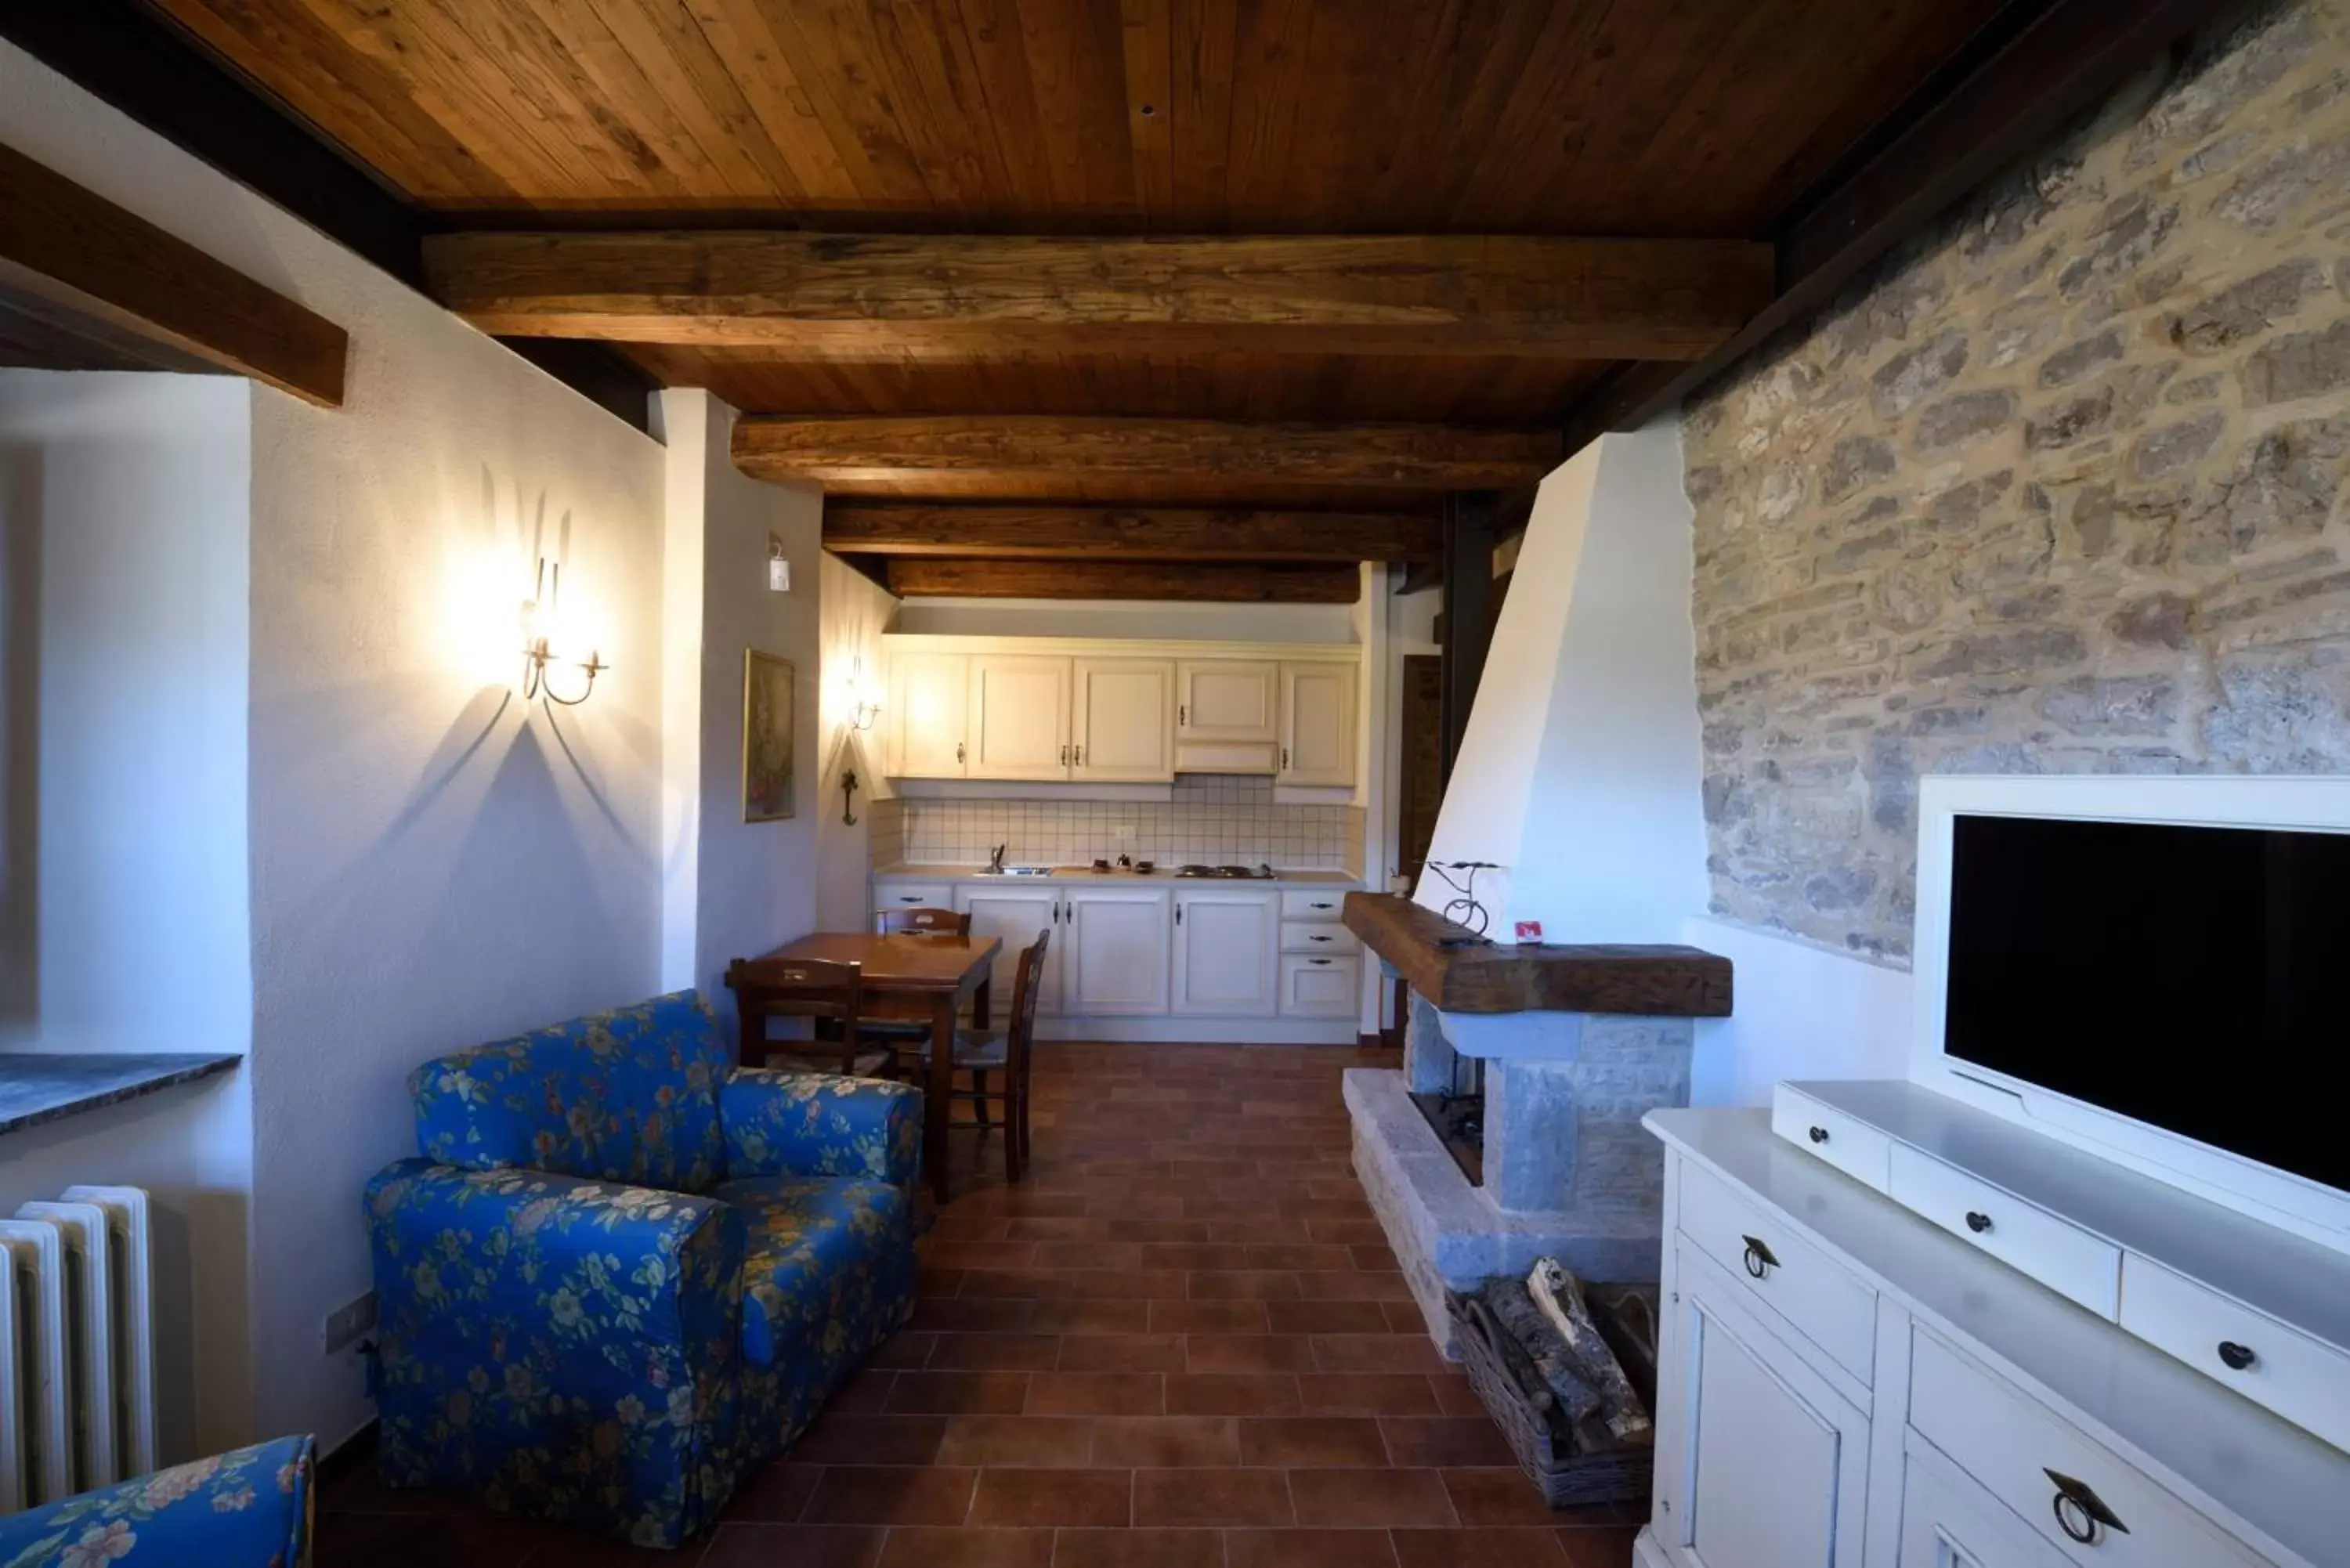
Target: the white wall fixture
pixel 779 565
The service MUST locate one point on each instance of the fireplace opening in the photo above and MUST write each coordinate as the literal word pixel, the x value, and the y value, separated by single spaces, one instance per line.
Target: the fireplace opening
pixel 1458 1114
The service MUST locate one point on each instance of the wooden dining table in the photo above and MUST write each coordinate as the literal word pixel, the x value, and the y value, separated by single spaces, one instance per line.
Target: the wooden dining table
pixel 904 976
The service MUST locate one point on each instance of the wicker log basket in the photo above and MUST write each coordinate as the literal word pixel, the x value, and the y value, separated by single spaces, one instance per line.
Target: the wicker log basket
pixel 1566 1478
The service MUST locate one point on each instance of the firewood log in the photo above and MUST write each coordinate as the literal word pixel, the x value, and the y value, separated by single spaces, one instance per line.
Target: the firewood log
pixel 1558 1297
pixel 1525 1380
pixel 1540 1343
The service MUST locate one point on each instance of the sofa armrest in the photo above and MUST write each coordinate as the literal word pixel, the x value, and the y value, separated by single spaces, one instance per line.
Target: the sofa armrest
pixel 247 1509
pixel 814 1124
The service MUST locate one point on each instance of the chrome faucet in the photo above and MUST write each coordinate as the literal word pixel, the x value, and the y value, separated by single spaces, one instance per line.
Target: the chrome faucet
pixel 996 858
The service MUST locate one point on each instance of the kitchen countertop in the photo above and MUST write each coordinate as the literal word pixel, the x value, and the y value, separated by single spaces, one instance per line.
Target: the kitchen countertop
pixel 1066 874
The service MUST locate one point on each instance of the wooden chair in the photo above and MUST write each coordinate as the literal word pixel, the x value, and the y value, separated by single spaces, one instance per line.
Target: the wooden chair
pixel 831 993
pixel 905 1034
pixel 1007 1050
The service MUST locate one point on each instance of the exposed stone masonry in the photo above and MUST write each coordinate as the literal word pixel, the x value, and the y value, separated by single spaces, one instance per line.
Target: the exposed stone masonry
pixel 2059 488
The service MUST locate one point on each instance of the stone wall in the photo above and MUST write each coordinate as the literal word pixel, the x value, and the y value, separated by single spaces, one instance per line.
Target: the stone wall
pixel 2059 488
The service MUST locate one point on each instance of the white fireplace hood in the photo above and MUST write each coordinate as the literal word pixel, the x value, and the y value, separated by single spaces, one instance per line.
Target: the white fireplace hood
pixel 1580 775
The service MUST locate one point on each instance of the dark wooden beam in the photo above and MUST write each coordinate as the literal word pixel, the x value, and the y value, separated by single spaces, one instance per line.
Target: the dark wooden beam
pixel 1469 525
pixel 81 255
pixel 1045 456
pixel 1148 533
pixel 1461 972
pixel 891 296
pixel 2031 75
pixel 1226 583
pixel 35 335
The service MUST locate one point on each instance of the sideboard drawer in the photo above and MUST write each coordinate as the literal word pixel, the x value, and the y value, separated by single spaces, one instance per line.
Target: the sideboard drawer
pixel 2017 1449
pixel 1855 1148
pixel 1813 1296
pixel 1312 903
pixel 2067 1260
pixel 2304 1380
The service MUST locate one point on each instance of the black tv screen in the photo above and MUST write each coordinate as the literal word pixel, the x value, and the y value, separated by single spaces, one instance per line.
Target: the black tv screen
pixel 2192 978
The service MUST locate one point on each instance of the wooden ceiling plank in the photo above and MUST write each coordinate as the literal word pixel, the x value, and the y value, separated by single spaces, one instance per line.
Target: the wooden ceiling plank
pixel 1147 29
pixel 83 255
pixel 1153 534
pixel 914 577
pixel 609 80
pixel 753 56
pixel 895 296
pixel 853 113
pixel 671 55
pixel 1201 110
pixel 1025 456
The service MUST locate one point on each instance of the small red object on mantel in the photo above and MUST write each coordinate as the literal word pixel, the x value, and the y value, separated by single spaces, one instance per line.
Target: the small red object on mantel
pixel 1530 933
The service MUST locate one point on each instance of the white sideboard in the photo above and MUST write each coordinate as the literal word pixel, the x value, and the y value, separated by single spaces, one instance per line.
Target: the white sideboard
pixel 1843 1383
pixel 1164 958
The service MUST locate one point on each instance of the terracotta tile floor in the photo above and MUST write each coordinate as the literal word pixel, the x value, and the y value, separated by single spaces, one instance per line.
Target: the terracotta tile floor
pixel 1181 1340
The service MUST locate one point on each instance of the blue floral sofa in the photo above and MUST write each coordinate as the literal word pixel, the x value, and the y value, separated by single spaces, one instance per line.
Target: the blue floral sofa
pixel 249 1509
pixel 625 1273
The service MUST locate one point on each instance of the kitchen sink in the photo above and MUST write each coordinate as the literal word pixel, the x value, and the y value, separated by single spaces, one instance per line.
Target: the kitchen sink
pixel 1017 871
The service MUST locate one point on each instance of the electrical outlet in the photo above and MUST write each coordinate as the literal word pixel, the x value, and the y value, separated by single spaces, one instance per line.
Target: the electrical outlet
pixel 1123 833
pixel 347 1323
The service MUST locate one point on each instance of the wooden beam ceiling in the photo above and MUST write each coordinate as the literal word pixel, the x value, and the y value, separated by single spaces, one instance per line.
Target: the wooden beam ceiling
pixel 894 297
pixel 1172 461
pixel 66 254
pixel 1153 534
pixel 911 577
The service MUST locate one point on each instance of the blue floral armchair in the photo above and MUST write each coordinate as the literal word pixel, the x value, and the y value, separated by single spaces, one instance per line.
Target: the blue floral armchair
pixel 625 1273
pixel 249 1509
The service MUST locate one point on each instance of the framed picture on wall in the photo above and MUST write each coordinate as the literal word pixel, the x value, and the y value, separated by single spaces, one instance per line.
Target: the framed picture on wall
pixel 767 713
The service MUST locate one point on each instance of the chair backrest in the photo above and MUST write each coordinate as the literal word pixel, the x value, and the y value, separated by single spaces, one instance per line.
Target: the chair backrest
pixel 628 1096
pixel 1027 987
pixel 800 988
pixel 925 923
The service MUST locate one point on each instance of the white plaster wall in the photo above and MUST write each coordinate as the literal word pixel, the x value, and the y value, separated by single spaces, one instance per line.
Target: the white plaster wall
pixel 431 864
pixel 124 502
pixel 1143 619
pixel 1798 1011
pixel 855 613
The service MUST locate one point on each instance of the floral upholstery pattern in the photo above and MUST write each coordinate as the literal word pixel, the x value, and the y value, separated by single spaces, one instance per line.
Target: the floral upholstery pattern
pixel 249 1509
pixel 816 1124
pixel 823 1261
pixel 626 1095
pixel 625 1273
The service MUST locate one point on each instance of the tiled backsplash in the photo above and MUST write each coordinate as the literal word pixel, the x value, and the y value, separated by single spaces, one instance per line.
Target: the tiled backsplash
pixel 1215 819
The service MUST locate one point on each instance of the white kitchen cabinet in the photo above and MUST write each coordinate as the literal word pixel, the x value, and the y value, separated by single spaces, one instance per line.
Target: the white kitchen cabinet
pixel 929 699
pixel 1019 717
pixel 1784 1478
pixel 1014 912
pixel 1226 942
pixel 1116 960
pixel 1316 986
pixel 1318 725
pixel 1122 728
pixel 1224 701
pixel 1950 1521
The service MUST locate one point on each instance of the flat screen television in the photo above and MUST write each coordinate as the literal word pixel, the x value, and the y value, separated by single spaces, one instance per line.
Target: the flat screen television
pixel 2191 977
pixel 2153 969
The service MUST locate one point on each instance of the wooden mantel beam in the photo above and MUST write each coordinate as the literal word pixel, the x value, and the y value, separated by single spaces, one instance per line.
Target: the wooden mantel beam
pixel 70 253
pixel 1139 533
pixel 924 576
pixel 1041 457
pixel 934 295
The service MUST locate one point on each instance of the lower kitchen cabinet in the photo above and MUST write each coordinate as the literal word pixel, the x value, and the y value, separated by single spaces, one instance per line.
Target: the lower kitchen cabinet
pixel 1014 913
pixel 1116 960
pixel 1316 986
pixel 1225 940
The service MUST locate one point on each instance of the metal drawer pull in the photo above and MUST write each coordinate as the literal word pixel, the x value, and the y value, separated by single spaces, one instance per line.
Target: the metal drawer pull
pixel 2074 1501
pixel 1977 1222
pixel 1760 1258
pixel 1317 960
pixel 2237 1357
pixel 1317 939
pixel 1819 1135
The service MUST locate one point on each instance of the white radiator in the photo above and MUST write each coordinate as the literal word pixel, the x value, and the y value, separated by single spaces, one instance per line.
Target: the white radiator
pixel 76 1337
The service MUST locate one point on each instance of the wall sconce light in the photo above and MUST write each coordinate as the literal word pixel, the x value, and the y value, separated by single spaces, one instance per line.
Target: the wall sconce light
pixel 862 714
pixel 542 627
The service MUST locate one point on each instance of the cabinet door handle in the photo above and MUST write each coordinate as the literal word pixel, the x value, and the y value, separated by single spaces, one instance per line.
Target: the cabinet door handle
pixel 1179 914
pixel 2074 1501
pixel 2237 1357
pixel 1819 1135
pixel 1077 755
pixel 1320 906
pixel 1317 961
pixel 1284 759
pixel 958 751
pixel 1183 716
pixel 1760 1258
pixel 1978 1221
pixel 1317 939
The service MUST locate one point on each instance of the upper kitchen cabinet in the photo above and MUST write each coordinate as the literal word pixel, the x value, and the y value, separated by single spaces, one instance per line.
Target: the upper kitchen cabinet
pixel 928 698
pixel 1019 717
pixel 1227 715
pixel 1121 729
pixel 1318 725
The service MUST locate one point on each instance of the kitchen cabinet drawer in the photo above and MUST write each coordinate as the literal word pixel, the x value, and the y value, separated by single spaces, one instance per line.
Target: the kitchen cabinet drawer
pixel 913 896
pixel 2304 1380
pixel 1314 987
pixel 1857 1149
pixel 1314 937
pixel 2017 1449
pixel 2059 1254
pixel 1313 903
pixel 1791 1280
